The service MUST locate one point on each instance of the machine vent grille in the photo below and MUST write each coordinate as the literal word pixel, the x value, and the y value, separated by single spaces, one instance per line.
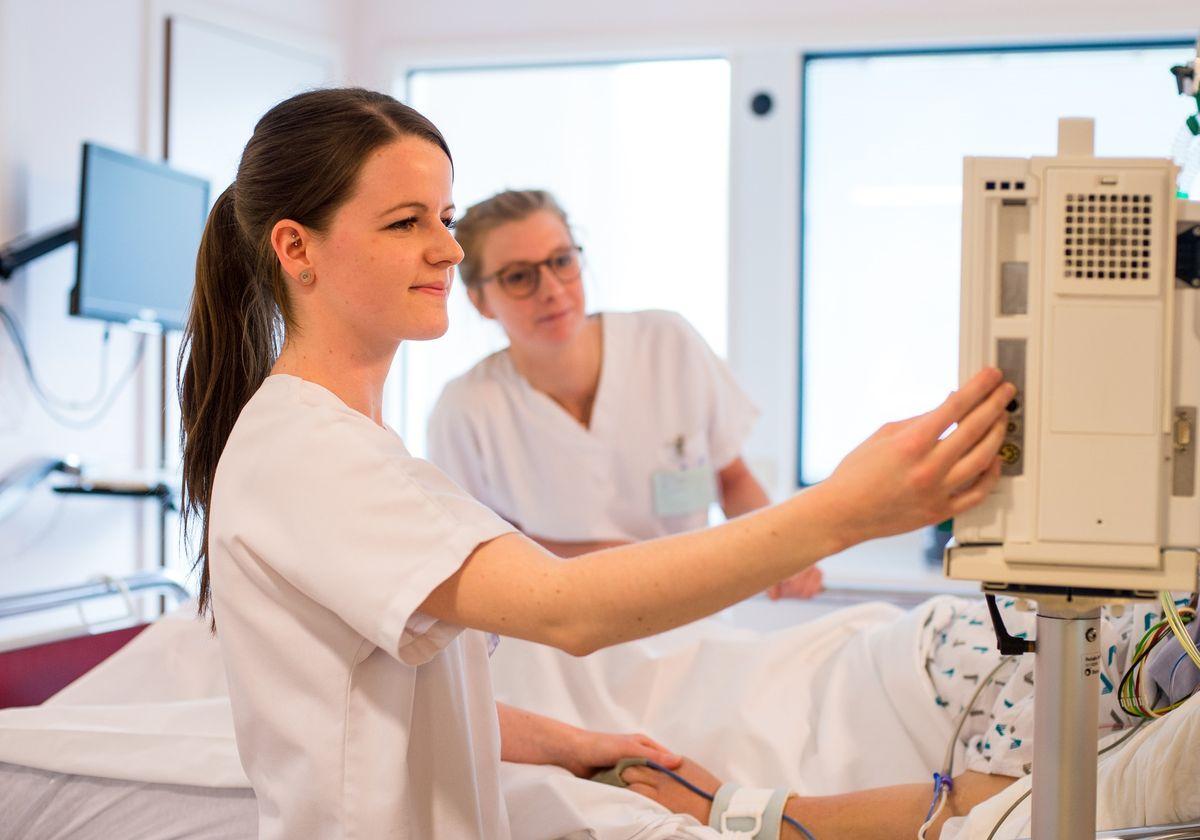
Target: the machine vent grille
pixel 1106 236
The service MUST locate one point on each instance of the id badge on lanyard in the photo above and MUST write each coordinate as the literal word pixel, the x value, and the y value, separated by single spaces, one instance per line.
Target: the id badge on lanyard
pixel 689 488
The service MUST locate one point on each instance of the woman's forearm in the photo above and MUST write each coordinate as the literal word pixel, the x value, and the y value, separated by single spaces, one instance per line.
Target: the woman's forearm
pixel 646 588
pixel 514 587
pixel 527 738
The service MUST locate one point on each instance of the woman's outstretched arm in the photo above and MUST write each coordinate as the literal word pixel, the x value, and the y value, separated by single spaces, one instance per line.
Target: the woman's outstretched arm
pixel 908 474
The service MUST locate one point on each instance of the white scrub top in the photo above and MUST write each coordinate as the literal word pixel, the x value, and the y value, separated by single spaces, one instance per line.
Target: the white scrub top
pixel 666 406
pixel 356 715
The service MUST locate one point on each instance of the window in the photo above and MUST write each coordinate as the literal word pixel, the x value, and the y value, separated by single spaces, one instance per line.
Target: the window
pixel 638 155
pixel 884 139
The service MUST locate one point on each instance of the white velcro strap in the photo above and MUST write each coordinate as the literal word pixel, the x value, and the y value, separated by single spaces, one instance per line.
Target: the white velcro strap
pixel 743 818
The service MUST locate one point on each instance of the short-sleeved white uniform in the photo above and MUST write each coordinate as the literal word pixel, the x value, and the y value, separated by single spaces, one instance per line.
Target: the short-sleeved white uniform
pixel 356 715
pixel 665 403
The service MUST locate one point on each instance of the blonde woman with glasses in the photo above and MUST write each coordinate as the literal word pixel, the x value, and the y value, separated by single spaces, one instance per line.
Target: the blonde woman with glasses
pixel 587 431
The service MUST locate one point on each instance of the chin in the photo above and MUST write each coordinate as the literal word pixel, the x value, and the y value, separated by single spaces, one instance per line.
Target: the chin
pixel 427 331
pixel 563 331
pixel 430 334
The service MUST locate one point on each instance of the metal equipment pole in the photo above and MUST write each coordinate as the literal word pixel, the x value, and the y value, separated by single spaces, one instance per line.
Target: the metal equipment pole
pixel 1066 708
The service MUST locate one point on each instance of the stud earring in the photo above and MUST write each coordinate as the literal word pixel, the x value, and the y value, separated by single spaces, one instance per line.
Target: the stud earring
pixel 306 277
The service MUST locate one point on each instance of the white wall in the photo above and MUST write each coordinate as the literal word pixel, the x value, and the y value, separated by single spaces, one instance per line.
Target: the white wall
pixel 50 106
pixel 75 70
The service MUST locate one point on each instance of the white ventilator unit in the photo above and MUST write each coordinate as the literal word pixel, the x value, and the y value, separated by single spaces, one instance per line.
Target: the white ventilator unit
pixel 1069 287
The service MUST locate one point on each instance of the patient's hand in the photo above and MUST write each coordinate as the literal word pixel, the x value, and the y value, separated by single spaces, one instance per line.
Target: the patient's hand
pixel 669 793
pixel 804 584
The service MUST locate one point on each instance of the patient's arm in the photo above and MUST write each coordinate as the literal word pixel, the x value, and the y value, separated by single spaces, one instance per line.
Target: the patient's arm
pixel 528 738
pixel 874 814
pixel 889 812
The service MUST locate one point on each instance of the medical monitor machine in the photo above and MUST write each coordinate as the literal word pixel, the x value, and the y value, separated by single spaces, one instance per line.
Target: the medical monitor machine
pixel 140 225
pixel 1073 287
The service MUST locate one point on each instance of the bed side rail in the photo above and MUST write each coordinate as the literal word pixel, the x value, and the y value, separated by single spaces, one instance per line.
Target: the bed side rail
pixel 67 596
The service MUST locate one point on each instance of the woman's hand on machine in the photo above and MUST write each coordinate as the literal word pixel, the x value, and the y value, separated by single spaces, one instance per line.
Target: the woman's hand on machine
pixel 925 469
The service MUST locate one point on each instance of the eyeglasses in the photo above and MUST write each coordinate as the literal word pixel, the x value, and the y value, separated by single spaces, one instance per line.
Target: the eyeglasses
pixel 522 280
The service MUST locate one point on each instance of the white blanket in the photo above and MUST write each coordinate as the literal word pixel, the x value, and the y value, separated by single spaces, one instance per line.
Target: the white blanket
pixel 1152 779
pixel 833 705
pixel 836 704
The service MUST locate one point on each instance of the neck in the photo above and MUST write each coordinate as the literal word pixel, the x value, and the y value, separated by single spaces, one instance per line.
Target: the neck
pixel 570 374
pixel 356 377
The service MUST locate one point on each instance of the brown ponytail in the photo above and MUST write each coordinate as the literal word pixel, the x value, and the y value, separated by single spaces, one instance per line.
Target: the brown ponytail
pixel 301 163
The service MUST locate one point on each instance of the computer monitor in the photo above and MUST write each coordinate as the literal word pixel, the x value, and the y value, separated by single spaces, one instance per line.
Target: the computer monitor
pixel 139 230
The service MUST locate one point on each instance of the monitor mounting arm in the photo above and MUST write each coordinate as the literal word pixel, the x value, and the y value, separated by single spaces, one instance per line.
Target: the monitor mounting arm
pixel 26 249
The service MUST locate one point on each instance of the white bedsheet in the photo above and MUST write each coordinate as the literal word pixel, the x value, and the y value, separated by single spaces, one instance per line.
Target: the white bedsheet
pixel 836 704
pixel 156 711
pixel 42 805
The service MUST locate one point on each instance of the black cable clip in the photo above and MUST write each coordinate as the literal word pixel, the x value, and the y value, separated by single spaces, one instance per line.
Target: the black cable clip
pixel 1008 644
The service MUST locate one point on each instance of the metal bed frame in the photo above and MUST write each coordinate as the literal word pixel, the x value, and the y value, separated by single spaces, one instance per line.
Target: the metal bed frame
pixel 33 669
pixel 68 596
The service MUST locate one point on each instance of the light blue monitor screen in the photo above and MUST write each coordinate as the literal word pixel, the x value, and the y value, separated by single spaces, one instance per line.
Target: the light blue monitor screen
pixel 140 226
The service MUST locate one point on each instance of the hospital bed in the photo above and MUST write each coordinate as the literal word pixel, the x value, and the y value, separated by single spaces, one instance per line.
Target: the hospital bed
pixel 38 803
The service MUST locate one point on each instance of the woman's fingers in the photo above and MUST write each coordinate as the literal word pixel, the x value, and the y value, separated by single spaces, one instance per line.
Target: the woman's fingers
pixel 974 427
pixel 657 752
pixel 900 478
pixel 977 492
pixel 977 461
pixel 643 746
pixel 815 580
pixel 803 584
pixel 960 403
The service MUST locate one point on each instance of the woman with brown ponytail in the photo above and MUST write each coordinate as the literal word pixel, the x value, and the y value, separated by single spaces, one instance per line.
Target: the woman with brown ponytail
pixel 353 587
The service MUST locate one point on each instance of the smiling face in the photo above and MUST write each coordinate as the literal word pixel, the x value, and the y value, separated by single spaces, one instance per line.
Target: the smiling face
pixel 384 265
pixel 554 314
